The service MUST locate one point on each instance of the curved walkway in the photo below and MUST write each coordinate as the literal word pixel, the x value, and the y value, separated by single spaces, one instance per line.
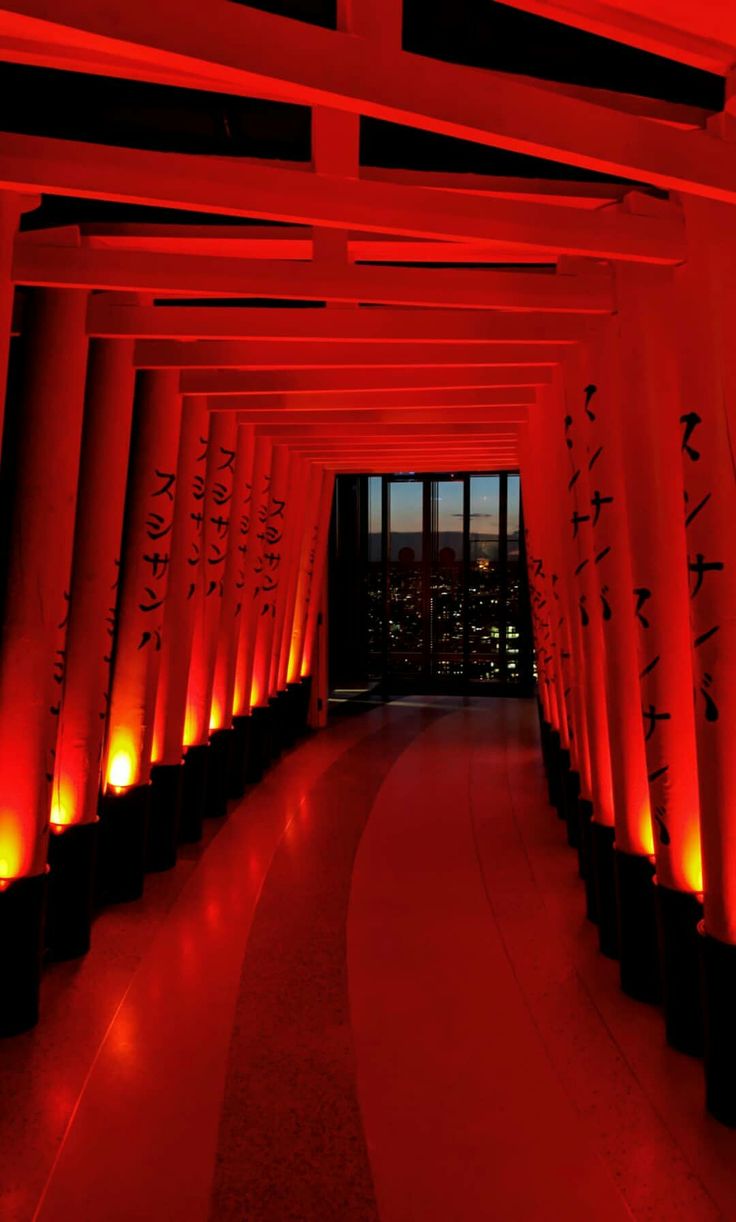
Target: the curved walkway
pixel 372 996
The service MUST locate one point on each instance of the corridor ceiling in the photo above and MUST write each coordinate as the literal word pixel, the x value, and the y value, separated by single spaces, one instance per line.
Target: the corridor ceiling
pixel 376 234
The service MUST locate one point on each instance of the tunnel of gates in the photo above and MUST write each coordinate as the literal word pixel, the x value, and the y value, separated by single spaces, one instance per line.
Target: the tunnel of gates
pixel 438 266
pixel 428 585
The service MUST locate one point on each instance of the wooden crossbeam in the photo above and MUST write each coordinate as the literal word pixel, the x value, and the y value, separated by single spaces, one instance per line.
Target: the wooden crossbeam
pixel 192 275
pixel 275 242
pixel 230 187
pixel 299 354
pixel 294 383
pixel 369 326
pixel 242 50
pixel 702 35
pixel 377 419
pixel 420 400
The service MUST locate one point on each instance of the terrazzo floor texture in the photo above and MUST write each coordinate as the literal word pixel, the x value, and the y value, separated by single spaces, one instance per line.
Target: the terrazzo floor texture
pixel 371 993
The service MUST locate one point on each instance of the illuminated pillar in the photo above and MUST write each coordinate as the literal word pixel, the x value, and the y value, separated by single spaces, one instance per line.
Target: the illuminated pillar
pixel 649 413
pixel 706 427
pixel 224 678
pixel 564 737
pixel 297 671
pixel 144 571
pixel 261 483
pixel 297 530
pixel 259 747
pixel 99 518
pixel 184 784
pixel 217 509
pixel 588 662
pixel 221 717
pixel 602 497
pixel 545 619
pixel 287 698
pixel 316 582
pixel 317 480
pixel 269 569
pixel 42 473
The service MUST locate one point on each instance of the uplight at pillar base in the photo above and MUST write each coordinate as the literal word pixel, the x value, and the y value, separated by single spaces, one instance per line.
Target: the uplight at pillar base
pixel 63 805
pixel 121 769
pixel 11 851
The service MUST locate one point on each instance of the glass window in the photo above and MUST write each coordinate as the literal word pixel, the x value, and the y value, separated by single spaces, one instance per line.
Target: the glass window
pixel 405 516
pixel 512 517
pixel 375 517
pixel 484 517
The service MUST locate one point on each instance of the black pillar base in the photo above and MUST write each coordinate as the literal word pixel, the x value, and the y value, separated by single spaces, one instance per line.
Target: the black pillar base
pixel 22 916
pixel 305 684
pixel 570 785
pixel 238 773
pixel 165 813
pixel 292 698
pixel 585 858
pixel 278 713
pixel 298 709
pixel 72 862
pixel 193 793
pixel 554 785
pixel 260 742
pixel 221 745
pixel 121 859
pixel 637 927
pixel 718 961
pixel 678 916
pixel 604 882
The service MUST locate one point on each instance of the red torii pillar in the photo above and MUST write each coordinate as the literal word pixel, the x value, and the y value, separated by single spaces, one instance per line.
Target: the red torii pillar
pixel 41 466
pixel 706 426
pixel 314 663
pixel 199 729
pixel 259 744
pixel 150 498
pixel 314 546
pixel 649 412
pixel 270 559
pixel 89 642
pixel 223 690
pixel 599 478
pixel 181 779
pixel 561 739
pixel 287 701
pixel 565 418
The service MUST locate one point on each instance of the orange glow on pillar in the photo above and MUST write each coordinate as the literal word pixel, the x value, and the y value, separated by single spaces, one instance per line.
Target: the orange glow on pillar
pixel 122 768
pixel 191 726
pixel 256 693
pixel 646 833
pixel 292 673
pixel 64 803
pixel 11 849
pixel 692 863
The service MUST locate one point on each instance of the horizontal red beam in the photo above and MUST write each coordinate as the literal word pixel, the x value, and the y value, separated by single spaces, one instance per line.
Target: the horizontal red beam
pixel 374 419
pixel 230 187
pixel 274 242
pixel 193 275
pixel 241 50
pixel 420 400
pixel 306 355
pixel 375 325
pixel 294 382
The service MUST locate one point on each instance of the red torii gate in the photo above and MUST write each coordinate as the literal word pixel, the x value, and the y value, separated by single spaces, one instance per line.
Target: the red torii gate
pixel 427 367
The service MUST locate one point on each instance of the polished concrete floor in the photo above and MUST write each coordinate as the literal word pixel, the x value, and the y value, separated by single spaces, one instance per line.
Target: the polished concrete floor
pixel 370 994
